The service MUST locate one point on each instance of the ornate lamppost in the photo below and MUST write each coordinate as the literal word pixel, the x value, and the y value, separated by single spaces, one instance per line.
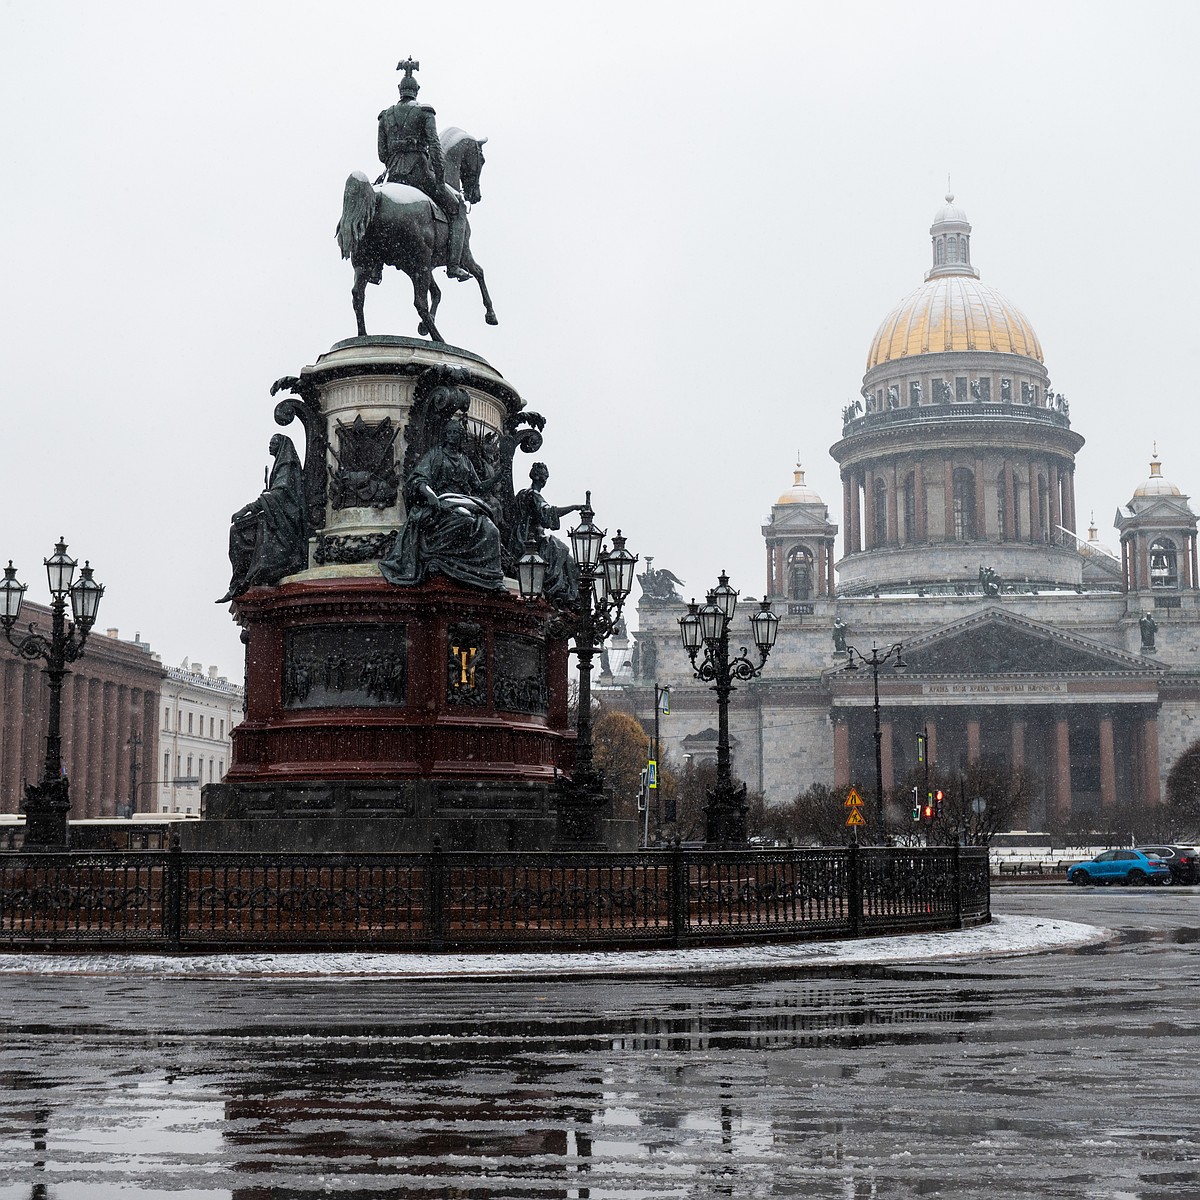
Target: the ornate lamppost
pixel 708 626
pixel 589 620
pixel 879 657
pixel 47 803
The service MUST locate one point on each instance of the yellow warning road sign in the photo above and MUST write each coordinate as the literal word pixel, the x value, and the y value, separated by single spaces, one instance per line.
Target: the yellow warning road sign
pixel 855 818
pixel 854 800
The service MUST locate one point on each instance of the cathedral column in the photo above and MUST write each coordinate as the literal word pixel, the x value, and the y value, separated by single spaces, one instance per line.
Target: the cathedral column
pixel 1143 560
pixel 1108 763
pixel 856 543
pixel 948 497
pixel 1035 501
pixel 887 756
pixel 1010 503
pixel 869 510
pixel 1017 742
pixel 1062 767
pixel 1150 786
pixel 893 510
pixel 1069 500
pixel 829 589
pixel 1125 565
pixel 847 518
pixel 921 533
pixel 972 739
pixel 1055 509
pixel 771 569
pixel 841 750
pixel 1195 565
pixel 980 502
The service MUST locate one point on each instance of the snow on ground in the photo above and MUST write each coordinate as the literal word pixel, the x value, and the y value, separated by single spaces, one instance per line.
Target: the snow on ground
pixel 1005 936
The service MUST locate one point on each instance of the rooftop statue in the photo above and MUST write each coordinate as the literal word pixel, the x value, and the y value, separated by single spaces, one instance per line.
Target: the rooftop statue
pixel 414 217
pixel 658 583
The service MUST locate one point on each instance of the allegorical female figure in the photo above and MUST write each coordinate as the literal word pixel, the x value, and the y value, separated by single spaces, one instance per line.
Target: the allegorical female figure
pixel 449 527
pixel 268 538
pixel 534 517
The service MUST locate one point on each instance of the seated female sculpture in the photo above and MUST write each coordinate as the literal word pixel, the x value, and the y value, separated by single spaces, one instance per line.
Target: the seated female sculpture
pixel 449 527
pixel 268 538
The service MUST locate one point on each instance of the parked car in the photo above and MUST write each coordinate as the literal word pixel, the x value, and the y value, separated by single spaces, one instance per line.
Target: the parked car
pixel 1183 861
pixel 1120 866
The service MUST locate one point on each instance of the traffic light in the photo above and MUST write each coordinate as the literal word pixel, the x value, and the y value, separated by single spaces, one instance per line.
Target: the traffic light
pixel 929 812
pixel 938 797
pixel 916 807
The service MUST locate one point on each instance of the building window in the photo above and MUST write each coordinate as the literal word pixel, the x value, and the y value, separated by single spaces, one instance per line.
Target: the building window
pixel 212 762
pixel 211 723
pixel 1006 391
pixel 178 765
pixel 910 507
pixel 953 249
pixel 167 717
pixel 960 390
pixel 964 504
pixel 190 722
pixel 166 766
pixel 222 726
pixel 1163 564
pixel 1002 508
pixel 220 768
pixel 985 389
pixel 799 574
pixel 880 515
pixel 164 808
pixel 940 256
pixel 914 392
pixel 189 770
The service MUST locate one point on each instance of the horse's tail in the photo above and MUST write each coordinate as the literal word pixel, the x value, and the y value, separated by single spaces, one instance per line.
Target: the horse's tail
pixel 358 208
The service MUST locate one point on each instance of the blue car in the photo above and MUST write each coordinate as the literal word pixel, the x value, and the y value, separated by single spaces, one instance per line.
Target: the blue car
pixel 1120 866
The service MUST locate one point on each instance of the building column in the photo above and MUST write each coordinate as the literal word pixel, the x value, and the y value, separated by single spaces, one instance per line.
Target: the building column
pixel 79 744
pixel 1143 560
pixel 1108 763
pixel 771 569
pixel 980 502
pixel 1055 509
pixel 948 497
pixel 847 512
pixel 1069 501
pixel 856 542
pixel 1035 501
pixel 1017 739
pixel 893 509
pixel 95 743
pixel 1195 565
pixel 869 542
pixel 841 750
pixel 972 739
pixel 887 756
pixel 1151 792
pixel 1010 503
pixel 1062 767
pixel 1125 564
pixel 14 718
pixel 921 533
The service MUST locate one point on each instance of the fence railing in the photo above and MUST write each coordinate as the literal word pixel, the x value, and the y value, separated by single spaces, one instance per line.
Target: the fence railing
pixel 201 900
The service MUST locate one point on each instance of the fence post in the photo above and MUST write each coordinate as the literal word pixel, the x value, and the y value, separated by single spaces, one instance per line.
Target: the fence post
pixel 957 883
pixel 435 896
pixel 173 917
pixel 854 889
pixel 677 894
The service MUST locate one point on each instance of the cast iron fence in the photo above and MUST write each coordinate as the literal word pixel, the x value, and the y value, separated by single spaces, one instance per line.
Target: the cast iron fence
pixel 202 900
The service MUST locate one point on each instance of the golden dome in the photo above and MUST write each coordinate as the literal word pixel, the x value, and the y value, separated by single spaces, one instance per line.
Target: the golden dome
pixel 953 312
pixel 799 492
pixel 1156 485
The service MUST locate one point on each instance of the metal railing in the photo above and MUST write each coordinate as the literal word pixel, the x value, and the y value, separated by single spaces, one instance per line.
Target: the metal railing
pixel 203 900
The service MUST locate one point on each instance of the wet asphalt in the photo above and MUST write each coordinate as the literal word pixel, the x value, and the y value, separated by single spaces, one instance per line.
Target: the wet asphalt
pixel 1070 1074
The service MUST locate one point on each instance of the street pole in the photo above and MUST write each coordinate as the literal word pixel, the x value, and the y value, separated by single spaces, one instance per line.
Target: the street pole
pixel 135 744
pixel 879 657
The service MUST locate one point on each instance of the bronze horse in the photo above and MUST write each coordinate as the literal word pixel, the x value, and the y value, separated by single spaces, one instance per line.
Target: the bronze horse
pixel 394 225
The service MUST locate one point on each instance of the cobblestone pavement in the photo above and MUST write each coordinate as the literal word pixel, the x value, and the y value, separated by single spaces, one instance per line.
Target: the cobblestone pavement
pixel 1068 1074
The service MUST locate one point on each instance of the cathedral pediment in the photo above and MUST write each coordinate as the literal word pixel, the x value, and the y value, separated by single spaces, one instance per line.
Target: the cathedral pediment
pixel 997 643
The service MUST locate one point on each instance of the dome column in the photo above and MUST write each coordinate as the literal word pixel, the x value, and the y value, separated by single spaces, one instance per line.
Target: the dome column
pixel 1010 504
pixel 1055 507
pixel 869 509
pixel 980 502
pixel 893 507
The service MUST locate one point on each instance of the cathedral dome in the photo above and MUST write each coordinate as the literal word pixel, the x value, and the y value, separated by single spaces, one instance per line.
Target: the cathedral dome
pixel 953 312
pixel 1156 485
pixel 799 492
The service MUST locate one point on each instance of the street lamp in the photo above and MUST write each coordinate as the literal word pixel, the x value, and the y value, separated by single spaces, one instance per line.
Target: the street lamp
pixel 589 620
pixel 707 626
pixel 47 803
pixel 879 657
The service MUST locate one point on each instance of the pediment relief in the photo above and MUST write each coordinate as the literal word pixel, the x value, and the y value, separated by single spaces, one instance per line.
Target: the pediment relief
pixel 998 644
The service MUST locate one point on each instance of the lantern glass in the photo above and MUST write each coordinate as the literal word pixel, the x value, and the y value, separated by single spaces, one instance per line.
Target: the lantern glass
pixel 725 597
pixel 531 573
pixel 12 593
pixel 618 569
pixel 85 597
pixel 586 538
pixel 689 629
pixel 60 570
pixel 766 627
pixel 712 620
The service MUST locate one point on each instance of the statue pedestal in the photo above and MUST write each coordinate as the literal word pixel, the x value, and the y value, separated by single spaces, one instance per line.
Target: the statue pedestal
pixel 377 716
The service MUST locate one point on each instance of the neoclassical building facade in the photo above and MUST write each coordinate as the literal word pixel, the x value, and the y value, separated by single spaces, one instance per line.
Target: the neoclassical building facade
pixel 1027 641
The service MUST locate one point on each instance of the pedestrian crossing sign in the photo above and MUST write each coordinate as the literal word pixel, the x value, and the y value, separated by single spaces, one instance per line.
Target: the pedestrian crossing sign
pixel 854 800
pixel 855 818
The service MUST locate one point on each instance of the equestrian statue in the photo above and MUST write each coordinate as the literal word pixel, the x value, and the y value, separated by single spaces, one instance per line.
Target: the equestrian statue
pixel 414 217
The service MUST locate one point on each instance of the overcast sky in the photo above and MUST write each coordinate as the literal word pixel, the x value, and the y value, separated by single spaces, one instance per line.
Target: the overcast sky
pixel 694 217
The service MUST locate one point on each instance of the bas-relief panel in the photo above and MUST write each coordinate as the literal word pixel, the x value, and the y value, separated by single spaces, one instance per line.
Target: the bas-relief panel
pixel 333 666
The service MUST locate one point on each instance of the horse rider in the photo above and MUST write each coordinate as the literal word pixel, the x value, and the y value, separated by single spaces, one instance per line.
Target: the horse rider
pixel 411 153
